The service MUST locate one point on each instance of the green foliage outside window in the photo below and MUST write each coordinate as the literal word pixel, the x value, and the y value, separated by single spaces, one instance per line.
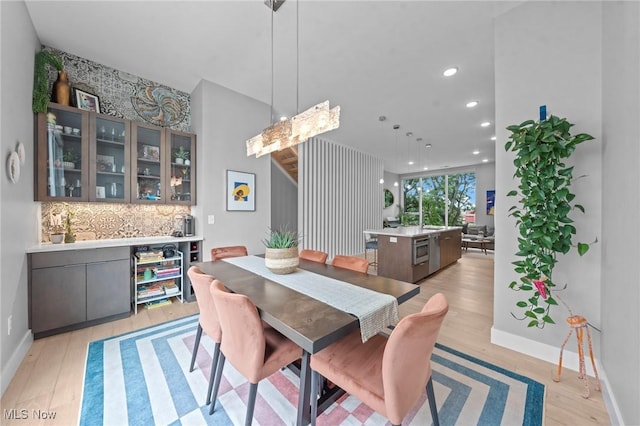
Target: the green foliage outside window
pixel 433 197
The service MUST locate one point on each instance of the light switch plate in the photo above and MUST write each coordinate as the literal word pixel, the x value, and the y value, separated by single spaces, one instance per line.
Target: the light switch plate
pixel 211 219
pixel 393 239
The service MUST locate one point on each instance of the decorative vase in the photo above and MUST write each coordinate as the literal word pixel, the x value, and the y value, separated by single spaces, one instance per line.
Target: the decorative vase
pixel 187 162
pixel 281 260
pixel 62 89
pixel 56 238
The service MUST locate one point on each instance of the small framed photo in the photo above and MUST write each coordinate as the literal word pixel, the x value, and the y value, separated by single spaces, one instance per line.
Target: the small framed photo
pixel 151 152
pixel 86 101
pixel 241 191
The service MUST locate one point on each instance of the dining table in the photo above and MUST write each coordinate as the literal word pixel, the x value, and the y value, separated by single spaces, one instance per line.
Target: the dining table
pixel 310 323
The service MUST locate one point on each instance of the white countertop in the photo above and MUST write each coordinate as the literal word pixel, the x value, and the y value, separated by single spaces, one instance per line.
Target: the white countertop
pixel 411 231
pixel 116 242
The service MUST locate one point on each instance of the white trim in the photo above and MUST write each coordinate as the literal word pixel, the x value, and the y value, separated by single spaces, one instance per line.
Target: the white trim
pixel 15 360
pixel 551 354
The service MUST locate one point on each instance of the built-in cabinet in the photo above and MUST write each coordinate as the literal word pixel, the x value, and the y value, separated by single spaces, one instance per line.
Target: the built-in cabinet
pixel 450 247
pixel 85 156
pixel 75 288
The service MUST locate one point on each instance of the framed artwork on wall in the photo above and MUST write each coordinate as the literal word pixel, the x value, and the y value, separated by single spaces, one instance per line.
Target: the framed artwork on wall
pixel 241 191
pixel 491 201
pixel 87 101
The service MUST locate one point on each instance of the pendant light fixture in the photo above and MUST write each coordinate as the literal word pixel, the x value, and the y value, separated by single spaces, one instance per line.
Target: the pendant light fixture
pixel 292 131
pixel 409 162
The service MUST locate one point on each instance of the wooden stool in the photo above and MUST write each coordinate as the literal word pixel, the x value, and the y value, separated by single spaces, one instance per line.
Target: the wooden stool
pixel 579 323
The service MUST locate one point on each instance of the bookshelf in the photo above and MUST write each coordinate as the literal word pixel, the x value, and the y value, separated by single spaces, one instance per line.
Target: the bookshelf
pixel 157 280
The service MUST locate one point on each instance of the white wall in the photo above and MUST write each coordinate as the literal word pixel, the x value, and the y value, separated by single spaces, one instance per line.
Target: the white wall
pixel 549 53
pixel 224 120
pixel 284 200
pixel 18 47
pixel 620 290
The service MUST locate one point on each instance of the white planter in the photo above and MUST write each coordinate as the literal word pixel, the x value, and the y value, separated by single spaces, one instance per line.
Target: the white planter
pixel 179 161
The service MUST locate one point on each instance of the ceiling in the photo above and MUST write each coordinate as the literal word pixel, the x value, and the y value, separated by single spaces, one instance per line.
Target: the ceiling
pixel 373 58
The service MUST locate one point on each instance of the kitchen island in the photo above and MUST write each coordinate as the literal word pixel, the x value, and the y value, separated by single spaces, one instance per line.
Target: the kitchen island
pixel 412 253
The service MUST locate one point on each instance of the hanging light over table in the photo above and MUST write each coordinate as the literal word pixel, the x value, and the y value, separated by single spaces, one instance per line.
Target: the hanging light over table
pixel 292 131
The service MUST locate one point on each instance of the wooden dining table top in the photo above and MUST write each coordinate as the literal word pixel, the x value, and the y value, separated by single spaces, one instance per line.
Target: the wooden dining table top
pixel 311 324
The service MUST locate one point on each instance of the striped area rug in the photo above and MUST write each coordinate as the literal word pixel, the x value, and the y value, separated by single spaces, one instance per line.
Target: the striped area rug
pixel 142 378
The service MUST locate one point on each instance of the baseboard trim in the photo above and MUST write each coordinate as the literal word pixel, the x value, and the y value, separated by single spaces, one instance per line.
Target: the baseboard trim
pixel 16 359
pixel 570 361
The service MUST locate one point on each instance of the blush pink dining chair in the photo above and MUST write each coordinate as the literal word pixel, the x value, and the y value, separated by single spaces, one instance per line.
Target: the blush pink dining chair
pixel 314 255
pixel 255 351
pixel 387 374
pixel 208 320
pixel 355 263
pixel 218 253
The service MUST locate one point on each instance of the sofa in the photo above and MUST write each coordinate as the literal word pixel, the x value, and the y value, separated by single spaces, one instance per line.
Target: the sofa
pixel 479 232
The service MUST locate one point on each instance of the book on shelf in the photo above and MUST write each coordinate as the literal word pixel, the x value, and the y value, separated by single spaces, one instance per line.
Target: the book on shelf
pixel 171 288
pixel 157 303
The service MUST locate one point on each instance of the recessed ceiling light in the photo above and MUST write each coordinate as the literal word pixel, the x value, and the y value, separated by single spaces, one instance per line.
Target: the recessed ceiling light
pixel 485 160
pixel 493 138
pixel 381 180
pixel 485 124
pixel 425 168
pixel 395 183
pixel 450 71
pixel 476 152
pixel 283 118
pixel 472 104
pixel 410 163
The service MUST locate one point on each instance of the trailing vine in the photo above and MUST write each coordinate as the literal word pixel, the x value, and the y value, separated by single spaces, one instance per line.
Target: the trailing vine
pixel 542 213
pixel 41 94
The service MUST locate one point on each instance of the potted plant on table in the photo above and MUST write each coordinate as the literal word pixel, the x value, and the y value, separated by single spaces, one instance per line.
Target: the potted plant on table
pixel 542 213
pixel 281 255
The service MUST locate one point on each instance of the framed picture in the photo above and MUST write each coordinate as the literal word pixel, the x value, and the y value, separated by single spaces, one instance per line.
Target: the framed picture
pixel 241 191
pixel 151 152
pixel 86 101
pixel 491 201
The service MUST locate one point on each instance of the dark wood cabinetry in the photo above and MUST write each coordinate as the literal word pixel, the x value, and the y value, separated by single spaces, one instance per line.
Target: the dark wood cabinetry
pixel 450 247
pixel 74 288
pixel 85 156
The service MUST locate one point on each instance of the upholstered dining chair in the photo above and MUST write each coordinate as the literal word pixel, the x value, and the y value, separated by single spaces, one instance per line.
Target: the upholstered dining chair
pixel 314 255
pixel 218 253
pixel 387 374
pixel 208 320
pixel 355 263
pixel 256 352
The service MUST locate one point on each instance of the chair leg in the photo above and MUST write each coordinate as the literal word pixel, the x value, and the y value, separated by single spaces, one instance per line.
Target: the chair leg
pixel 214 364
pixel 251 403
pixel 432 402
pixel 314 397
pixel 195 348
pixel 216 385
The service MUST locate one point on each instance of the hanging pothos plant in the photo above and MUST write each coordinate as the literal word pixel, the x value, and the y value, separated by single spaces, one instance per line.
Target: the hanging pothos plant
pixel 542 213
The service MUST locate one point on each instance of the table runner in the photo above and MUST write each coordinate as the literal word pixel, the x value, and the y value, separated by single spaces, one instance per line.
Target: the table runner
pixel 375 311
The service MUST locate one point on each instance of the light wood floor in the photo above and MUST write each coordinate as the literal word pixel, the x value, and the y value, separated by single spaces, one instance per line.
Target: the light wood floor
pixel 51 375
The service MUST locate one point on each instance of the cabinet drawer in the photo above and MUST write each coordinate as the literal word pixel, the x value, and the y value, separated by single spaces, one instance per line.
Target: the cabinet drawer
pixel 420 271
pixel 76 257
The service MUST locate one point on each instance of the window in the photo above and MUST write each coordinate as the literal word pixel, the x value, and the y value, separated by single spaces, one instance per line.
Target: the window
pixel 439 200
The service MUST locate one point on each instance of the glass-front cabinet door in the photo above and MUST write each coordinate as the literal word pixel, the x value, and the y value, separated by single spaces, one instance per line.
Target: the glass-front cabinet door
pixel 181 166
pixel 62 154
pixel 147 164
pixel 109 167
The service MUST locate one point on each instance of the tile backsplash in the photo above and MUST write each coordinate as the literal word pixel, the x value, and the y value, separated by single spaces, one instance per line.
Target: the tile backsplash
pixel 96 221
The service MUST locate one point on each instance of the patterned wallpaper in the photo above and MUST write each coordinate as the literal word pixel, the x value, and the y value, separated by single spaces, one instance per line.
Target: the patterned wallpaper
pixel 125 95
pixel 96 221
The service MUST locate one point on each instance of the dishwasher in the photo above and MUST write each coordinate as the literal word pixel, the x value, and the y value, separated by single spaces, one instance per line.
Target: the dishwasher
pixel 434 253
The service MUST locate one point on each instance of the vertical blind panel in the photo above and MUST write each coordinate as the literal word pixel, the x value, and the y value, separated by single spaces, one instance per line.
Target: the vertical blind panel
pixel 339 196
